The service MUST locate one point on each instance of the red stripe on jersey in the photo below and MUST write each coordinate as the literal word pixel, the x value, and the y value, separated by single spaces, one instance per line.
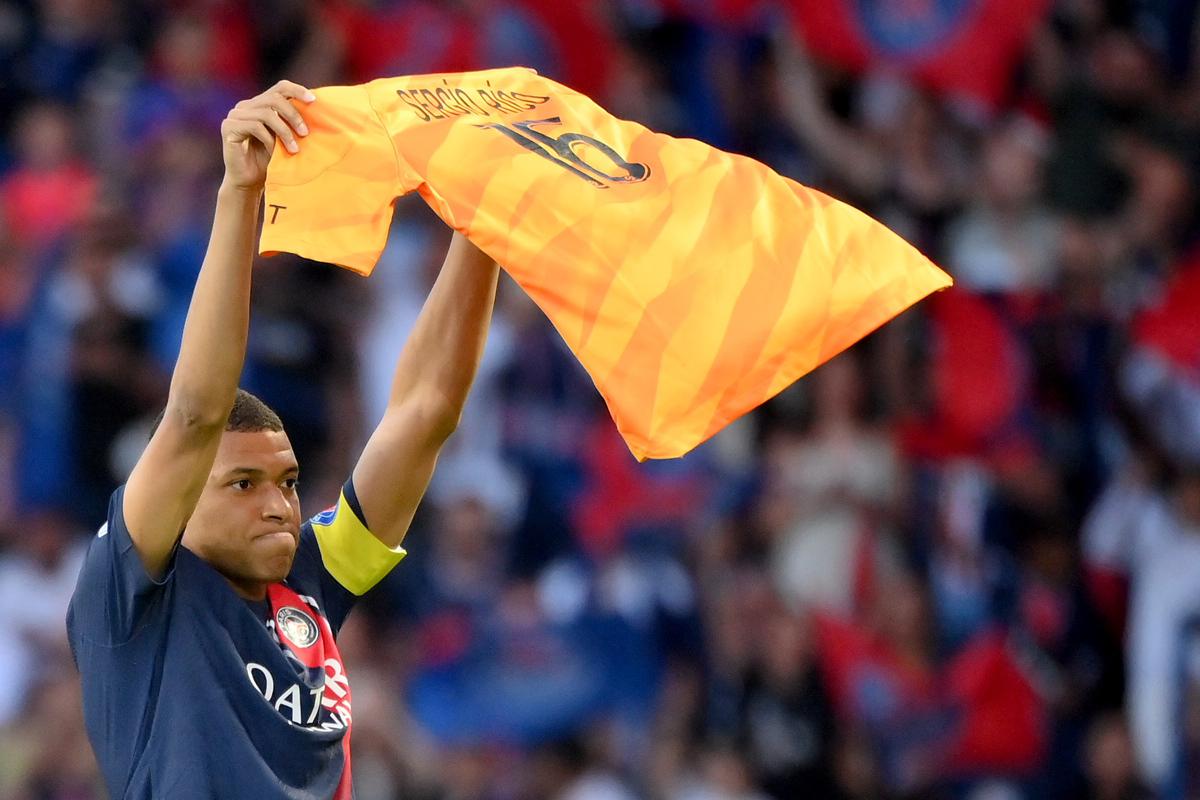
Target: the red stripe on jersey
pixel 306 632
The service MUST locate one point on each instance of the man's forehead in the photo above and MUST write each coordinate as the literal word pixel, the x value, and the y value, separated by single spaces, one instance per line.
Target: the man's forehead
pixel 264 450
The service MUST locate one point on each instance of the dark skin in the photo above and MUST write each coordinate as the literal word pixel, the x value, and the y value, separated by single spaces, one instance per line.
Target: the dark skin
pixel 247 520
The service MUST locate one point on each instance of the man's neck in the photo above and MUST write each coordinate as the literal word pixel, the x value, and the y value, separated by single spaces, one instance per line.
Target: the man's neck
pixel 248 590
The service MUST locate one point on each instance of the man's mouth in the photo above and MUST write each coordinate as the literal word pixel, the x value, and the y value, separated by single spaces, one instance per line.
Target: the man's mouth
pixel 277 535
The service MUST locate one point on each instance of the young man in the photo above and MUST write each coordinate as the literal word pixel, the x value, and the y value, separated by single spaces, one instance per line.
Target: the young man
pixel 210 670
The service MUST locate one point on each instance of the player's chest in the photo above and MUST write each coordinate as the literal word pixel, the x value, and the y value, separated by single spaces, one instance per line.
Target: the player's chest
pixel 286 659
pixel 311 693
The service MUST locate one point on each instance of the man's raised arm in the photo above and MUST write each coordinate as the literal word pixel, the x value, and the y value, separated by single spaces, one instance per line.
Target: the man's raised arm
pixel 432 379
pixel 167 481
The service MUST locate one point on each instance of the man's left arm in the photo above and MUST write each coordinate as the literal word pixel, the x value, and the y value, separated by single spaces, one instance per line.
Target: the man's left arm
pixel 433 376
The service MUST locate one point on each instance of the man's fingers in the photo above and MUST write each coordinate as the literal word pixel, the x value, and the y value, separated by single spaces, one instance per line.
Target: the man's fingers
pixel 290 89
pixel 268 116
pixel 288 112
pixel 281 129
pixel 239 130
pixel 260 132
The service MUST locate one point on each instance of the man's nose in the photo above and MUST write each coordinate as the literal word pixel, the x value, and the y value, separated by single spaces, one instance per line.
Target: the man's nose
pixel 277 507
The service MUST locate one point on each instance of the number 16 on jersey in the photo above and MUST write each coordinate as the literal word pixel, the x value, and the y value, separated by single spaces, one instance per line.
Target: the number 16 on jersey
pixel 566 151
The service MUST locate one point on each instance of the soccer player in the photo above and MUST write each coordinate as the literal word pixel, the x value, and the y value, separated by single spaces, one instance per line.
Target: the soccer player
pixel 204 618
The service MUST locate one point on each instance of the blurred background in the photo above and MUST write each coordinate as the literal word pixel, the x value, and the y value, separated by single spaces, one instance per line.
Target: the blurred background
pixel 961 560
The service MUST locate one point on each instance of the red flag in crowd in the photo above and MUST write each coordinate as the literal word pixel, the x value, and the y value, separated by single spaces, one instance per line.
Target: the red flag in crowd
pixel 1003 728
pixel 1172 327
pixel 980 373
pixel 993 719
pixel 965 48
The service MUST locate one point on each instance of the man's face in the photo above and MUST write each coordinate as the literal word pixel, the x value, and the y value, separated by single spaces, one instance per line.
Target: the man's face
pixel 247 520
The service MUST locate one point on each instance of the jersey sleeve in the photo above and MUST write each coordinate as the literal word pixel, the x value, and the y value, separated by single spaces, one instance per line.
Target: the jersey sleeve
pixel 115 597
pixel 332 201
pixel 342 557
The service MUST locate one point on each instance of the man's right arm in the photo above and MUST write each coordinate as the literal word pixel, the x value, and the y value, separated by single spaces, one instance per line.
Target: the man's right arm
pixel 166 483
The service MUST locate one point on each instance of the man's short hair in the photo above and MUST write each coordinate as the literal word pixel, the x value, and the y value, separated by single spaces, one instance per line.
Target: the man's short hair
pixel 248 415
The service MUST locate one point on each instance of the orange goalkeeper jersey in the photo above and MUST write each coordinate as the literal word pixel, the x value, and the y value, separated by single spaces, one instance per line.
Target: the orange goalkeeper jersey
pixel 692 284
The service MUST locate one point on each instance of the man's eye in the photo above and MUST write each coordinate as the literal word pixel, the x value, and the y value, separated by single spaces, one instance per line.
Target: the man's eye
pixel 291 483
pixel 244 484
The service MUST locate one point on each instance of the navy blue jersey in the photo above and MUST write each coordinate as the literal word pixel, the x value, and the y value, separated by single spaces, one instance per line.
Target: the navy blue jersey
pixel 190 691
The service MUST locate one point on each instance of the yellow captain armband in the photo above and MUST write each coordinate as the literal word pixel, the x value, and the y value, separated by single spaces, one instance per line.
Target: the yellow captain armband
pixel 351 553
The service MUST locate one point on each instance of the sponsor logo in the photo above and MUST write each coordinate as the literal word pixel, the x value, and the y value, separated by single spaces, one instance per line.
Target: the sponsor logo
pixel 325 707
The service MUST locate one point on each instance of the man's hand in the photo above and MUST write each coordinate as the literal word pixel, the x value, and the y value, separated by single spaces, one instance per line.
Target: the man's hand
pixel 248 133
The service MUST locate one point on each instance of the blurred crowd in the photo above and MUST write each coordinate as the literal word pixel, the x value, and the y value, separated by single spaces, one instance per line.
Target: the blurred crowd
pixel 961 560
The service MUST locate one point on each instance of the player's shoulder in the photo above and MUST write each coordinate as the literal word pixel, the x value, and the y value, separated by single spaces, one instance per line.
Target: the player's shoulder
pixel 345 509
